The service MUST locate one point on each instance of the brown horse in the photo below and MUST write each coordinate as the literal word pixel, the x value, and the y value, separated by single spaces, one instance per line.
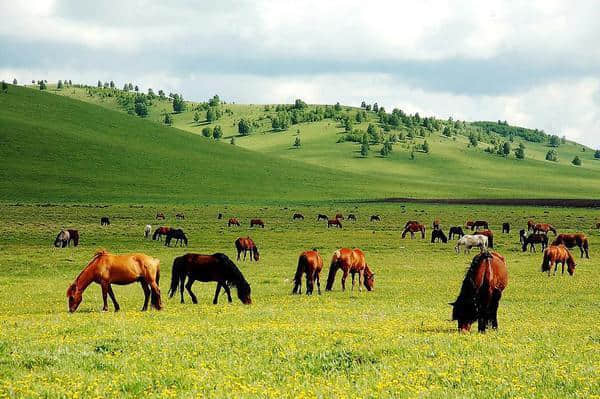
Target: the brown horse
pixel 161 231
pixel 556 254
pixel 233 222
pixel 246 244
pixel 334 222
pixel 160 215
pixel 106 269
pixel 530 225
pixel 574 240
pixel 65 237
pixel 414 228
pixel 257 222
pixel 480 223
pixel 339 216
pixel 311 264
pixel 480 293
pixel 544 228
pixel 488 234
pixel 350 261
pixel 409 223
pixel 205 268
pixel 298 216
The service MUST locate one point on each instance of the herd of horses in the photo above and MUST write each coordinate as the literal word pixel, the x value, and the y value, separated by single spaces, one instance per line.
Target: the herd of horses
pixel 478 300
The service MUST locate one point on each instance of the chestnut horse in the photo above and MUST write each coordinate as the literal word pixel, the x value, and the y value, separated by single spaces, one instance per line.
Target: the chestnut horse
pixel 246 244
pixel 574 240
pixel 233 222
pixel 334 222
pixel 161 231
pixel 257 222
pixel 409 223
pixel 311 264
pixel 106 269
pixel 298 216
pixel 350 261
pixel 160 215
pixel 544 228
pixel 556 254
pixel 414 228
pixel 533 239
pixel 480 293
pixel 217 267
pixel 488 234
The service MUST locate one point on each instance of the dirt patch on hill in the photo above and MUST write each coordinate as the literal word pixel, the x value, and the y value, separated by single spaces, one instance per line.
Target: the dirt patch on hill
pixel 554 202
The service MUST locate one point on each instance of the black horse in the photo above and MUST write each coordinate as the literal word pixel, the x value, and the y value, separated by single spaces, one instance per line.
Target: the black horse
pixel 506 227
pixel 533 239
pixel 179 236
pixel 298 216
pixel 438 235
pixel 375 218
pixel 217 267
pixel 352 216
pixel 104 221
pixel 320 216
pixel 456 230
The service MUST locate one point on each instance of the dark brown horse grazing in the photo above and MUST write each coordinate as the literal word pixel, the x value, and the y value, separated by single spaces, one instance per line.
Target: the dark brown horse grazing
pixel 217 267
pixel 350 261
pixel 160 215
pixel 311 264
pixel 320 216
pixel 480 223
pixel 480 293
pixel 334 222
pixel 257 222
pixel 574 240
pixel 179 237
pixel 533 239
pixel 106 269
pixel 375 218
pixel 489 235
pixel 233 222
pixel 246 244
pixel 556 254
pixel 414 228
pixel 161 231
pixel 409 223
pixel 456 230
pixel 352 216
pixel 65 237
pixel 104 221
pixel 339 216
pixel 506 227
pixel 179 216
pixel 544 228
pixel 438 235
pixel 298 216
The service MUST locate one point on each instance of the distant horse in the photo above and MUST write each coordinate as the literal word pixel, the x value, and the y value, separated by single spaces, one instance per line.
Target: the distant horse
pixel 339 216
pixel 350 261
pixel 480 223
pixel 217 267
pixel 159 232
pixel 410 222
pixel 530 225
pixel 334 222
pixel 219 216
pixel 480 293
pixel 469 241
pixel 246 244
pixel 104 221
pixel 233 222
pixel 506 227
pixel 598 225
pixel 352 216
pixel 438 235
pixel 456 230
pixel 179 216
pixel 298 216
pixel 436 224
pixel 574 240
pixel 414 228
pixel 556 254
pixel 522 236
pixel 320 216
pixel 533 239
pixel 257 222
pixel 489 235
pixel 179 237
pixel 160 215
pixel 147 231
pixel 65 237
pixel 106 269
pixel 375 218
pixel 311 264
pixel 544 228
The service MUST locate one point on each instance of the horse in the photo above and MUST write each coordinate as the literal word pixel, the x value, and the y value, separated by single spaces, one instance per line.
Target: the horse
pixel 219 216
pixel 350 261
pixel 506 227
pixel 298 216
pixel 339 216
pixel 106 269
pixel 334 222
pixel 320 216
pixel 159 232
pixel 375 218
pixel 73 236
pixel 64 238
pixel 533 239
pixel 352 216
pixel 456 230
pixel 104 221
pixel 530 225
pixel 257 222
pixel 544 228
pixel 469 241
pixel 574 240
pixel 438 235
pixel 489 235
pixel 469 224
pixel 179 237
pixel 556 254
pixel 179 216
pixel 217 267
pixel 480 292
pixel 233 222
pixel 409 223
pixel 160 215
pixel 147 231
pixel 414 228
pixel 598 225
pixel 311 264
pixel 479 223
pixel 522 236
pixel 246 244
pixel 436 224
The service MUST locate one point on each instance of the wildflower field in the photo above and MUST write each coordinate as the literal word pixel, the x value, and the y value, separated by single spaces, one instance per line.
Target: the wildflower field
pixel 396 341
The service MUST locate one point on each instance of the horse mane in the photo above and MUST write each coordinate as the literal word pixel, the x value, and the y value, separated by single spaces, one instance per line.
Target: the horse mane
pixel 233 273
pixel 465 307
pixel 99 253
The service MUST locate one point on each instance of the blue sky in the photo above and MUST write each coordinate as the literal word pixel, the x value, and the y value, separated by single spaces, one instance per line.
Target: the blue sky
pixel 534 63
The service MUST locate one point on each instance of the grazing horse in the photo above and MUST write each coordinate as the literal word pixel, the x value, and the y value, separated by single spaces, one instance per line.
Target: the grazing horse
pixel 257 222
pixel 334 222
pixel 233 222
pixel 147 231
pixel 414 228
pixel 506 227
pixel 179 237
pixel 352 216
pixel 104 221
pixel 438 235
pixel 456 230
pixel 479 223
pixel 65 237
pixel 375 218
pixel 106 269
pixel 179 216
pixel 298 216
pixel 311 264
pixel 530 225
pixel 217 267
pixel 574 240
pixel 556 254
pixel 533 239
pixel 469 241
pixel 480 293
pixel 544 228
pixel 160 215
pixel 350 261
pixel 219 216
pixel 159 232
pixel 246 244
pixel 436 224
pixel 339 216
pixel 488 234
pixel 320 216
pixel 409 223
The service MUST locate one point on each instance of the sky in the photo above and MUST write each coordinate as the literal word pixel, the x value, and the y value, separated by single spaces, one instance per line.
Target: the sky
pixel 534 64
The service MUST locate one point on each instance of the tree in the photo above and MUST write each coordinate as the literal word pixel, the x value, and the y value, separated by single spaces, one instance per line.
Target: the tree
pixel 552 155
pixel 363 104
pixel 299 104
pixel 178 103
pixel 473 139
pixel 425 147
pixel 99 84
pixel 130 86
pixel 161 94
pixel 59 85
pixel 168 119
pixel 136 88
pixel 337 107
pixel 554 140
pixel 196 117
pixel 447 132
pixel 297 143
pixel 506 149
pixel 520 151
pixel 211 115
pixel 576 161
pixel 70 82
pixel 207 132
pixel 15 81
pixel 217 132
pixel 141 109
pixel 375 107
pixel 244 127
pixel 4 87
pixel 125 87
pixel 215 101
pixel 597 154
pixel 42 85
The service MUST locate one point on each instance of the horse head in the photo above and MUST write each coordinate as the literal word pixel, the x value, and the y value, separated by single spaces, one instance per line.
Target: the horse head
pixel 74 297
pixel 255 253
pixel 369 279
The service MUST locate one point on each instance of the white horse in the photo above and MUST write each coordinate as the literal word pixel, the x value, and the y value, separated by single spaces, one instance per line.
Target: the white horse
pixel 147 231
pixel 469 241
pixel 62 239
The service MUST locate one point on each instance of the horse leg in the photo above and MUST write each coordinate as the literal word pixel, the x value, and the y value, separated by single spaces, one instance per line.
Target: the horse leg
pixel 181 283
pixel 318 284
pixel 188 286
pixel 239 252
pixel 228 292
pixel 146 289
pixel 104 285
pixel 344 277
pixel 217 292
pixel 112 297
pixel 353 274
pixel 309 284
pixel 481 324
pixel 360 279
pixel 155 295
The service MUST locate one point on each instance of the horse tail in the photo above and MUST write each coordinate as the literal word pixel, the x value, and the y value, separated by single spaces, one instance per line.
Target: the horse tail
pixel 332 270
pixel 546 261
pixel 298 276
pixel 585 243
pixel 491 241
pixel 176 273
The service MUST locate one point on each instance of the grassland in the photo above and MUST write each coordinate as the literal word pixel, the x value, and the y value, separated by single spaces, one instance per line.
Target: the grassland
pixel 396 341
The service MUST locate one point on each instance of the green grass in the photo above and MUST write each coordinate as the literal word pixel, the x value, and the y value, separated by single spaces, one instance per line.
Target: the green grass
pixel 396 341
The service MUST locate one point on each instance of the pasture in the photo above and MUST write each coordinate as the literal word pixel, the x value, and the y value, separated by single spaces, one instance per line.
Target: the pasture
pixel 396 341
